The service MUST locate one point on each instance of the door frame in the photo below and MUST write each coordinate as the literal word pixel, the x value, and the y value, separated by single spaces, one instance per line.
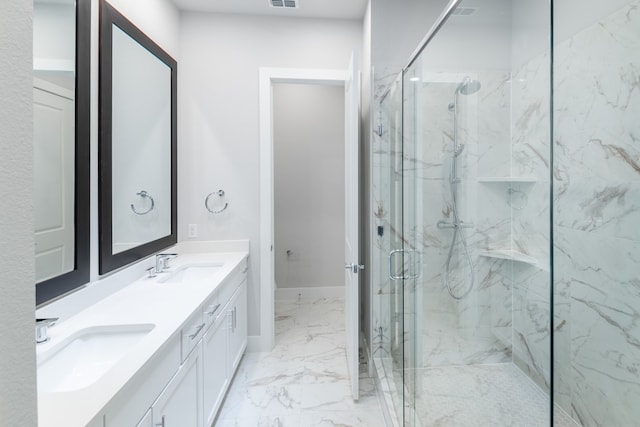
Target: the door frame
pixel 269 77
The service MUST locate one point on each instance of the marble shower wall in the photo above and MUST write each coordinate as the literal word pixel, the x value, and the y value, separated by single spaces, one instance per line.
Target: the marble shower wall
pixel 386 188
pixel 596 216
pixel 530 218
pixel 471 330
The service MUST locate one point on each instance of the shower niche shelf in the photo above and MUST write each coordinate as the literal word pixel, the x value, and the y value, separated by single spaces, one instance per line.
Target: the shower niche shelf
pixel 507 179
pixel 512 255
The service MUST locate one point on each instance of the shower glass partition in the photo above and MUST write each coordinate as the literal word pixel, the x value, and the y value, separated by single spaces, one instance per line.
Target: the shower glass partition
pixel 387 340
pixel 508 275
pixel 476 219
pixel 469 290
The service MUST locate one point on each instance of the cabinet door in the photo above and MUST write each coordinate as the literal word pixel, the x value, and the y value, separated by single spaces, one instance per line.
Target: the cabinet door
pixel 179 404
pixel 238 327
pixel 214 366
pixel 146 421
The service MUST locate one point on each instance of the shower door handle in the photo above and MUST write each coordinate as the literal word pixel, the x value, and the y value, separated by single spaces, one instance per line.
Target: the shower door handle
pixel 410 255
pixel 392 255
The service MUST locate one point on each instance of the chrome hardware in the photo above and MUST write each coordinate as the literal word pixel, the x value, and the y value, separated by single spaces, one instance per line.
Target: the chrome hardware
pixel 197 331
pixel 144 195
pixel 220 194
pixel 446 224
pixel 161 423
pixel 41 328
pixel 409 275
pixel 162 261
pixel 355 268
pixel 234 319
pixel 392 254
pixel 211 311
pixel 151 271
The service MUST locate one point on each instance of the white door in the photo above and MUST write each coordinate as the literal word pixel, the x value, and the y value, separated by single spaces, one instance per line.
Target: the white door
pixel 54 152
pixel 352 223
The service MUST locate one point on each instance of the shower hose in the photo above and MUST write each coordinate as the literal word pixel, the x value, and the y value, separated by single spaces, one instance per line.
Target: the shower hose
pixel 457 232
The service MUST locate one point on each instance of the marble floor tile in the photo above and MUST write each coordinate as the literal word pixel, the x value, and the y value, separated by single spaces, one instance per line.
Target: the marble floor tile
pixel 304 381
pixel 497 395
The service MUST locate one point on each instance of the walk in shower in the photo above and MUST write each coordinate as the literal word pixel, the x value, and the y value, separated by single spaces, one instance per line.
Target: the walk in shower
pixel 506 187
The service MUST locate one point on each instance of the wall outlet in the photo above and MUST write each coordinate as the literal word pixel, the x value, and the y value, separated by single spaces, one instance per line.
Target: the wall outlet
pixel 192 231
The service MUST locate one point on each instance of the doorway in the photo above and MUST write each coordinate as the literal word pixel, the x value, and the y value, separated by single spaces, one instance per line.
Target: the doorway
pixel 350 80
pixel 269 77
pixel 309 214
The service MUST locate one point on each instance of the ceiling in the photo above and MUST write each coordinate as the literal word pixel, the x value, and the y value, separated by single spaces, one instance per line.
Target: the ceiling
pixel 335 9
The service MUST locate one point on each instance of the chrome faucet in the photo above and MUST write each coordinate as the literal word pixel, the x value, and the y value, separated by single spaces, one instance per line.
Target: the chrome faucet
pixel 162 262
pixel 41 328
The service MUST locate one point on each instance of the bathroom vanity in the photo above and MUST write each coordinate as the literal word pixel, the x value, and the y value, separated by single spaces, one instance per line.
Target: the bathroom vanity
pixel 161 351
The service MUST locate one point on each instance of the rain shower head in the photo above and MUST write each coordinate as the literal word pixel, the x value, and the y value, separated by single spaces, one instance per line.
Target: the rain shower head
pixel 468 86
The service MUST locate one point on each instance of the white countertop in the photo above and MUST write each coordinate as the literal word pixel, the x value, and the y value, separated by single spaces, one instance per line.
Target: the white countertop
pixel 145 301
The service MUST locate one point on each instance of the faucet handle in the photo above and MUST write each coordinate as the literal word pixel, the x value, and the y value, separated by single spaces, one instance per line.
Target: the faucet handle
pixel 151 271
pixel 41 328
pixel 165 258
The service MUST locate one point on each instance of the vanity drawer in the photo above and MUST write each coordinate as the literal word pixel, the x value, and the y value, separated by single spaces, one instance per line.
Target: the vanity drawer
pixel 191 333
pixel 211 310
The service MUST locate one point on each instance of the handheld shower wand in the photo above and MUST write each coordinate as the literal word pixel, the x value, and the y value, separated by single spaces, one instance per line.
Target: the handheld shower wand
pixel 466 87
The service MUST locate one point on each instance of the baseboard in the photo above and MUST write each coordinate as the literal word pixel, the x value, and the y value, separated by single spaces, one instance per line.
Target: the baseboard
pixel 309 293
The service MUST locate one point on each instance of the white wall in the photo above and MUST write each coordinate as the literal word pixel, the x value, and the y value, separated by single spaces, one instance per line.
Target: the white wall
pixel 17 271
pixel 219 118
pixel 397 29
pixel 54 35
pixel 158 19
pixel 308 160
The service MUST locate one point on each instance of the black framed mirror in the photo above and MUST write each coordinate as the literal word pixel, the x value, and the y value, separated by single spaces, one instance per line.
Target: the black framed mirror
pixel 62 75
pixel 138 143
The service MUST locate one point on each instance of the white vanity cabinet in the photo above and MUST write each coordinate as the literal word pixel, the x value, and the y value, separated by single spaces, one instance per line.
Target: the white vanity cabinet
pixel 147 420
pixel 210 344
pixel 180 403
pixel 215 378
pixel 223 346
pixel 237 313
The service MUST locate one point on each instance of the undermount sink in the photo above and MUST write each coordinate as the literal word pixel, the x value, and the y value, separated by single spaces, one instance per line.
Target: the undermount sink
pixel 86 356
pixel 192 273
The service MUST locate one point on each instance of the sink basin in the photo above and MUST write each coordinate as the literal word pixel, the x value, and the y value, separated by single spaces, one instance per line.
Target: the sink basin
pixel 192 273
pixel 86 356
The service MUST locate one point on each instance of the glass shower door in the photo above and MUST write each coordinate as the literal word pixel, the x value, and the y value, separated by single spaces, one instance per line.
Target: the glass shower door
pixel 475 229
pixel 388 334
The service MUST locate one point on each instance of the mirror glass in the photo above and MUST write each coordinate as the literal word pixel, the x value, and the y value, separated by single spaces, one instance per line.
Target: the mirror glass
pixel 140 143
pixel 61 145
pixel 137 145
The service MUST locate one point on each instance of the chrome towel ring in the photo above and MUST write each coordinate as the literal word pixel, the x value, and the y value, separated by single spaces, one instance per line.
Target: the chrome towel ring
pixel 144 195
pixel 220 194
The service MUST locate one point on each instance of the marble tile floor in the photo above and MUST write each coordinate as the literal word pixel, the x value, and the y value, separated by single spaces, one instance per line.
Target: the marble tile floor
pixel 497 395
pixel 483 395
pixel 304 381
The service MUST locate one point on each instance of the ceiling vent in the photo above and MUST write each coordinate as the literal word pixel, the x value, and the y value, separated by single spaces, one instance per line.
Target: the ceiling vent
pixel 463 11
pixel 288 4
